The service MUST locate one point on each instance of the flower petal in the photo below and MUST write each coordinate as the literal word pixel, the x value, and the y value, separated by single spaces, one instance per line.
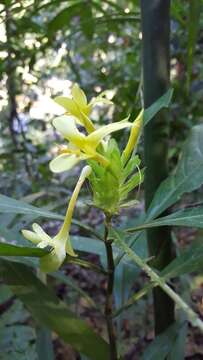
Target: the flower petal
pixel 68 104
pixel 87 123
pixel 67 127
pixel 31 236
pixel 41 233
pixel 95 137
pixel 43 244
pixel 79 96
pixel 134 136
pixel 63 162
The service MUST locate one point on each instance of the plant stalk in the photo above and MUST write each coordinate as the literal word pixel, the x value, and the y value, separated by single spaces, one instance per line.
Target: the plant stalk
pixel 161 282
pixel 155 16
pixel 109 294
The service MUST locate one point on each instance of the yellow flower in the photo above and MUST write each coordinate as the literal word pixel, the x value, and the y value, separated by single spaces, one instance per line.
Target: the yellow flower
pixel 134 136
pixel 60 244
pixel 81 147
pixel 79 107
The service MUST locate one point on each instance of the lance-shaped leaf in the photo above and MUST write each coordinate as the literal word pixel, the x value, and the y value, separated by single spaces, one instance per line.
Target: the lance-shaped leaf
pixel 192 217
pixel 188 261
pixel 13 250
pixel 46 308
pixel 160 103
pixel 13 206
pixel 186 178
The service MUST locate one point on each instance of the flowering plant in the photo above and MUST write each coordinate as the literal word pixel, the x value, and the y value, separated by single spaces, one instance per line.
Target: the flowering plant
pixel 112 174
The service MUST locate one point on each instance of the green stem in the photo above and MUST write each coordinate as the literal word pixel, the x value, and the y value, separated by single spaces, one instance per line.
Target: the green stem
pixel 156 30
pixel 109 294
pixel 156 279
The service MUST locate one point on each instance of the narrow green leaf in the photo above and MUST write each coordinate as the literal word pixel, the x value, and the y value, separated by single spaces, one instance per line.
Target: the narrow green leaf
pixel 13 206
pixel 82 243
pixel 131 165
pixel 13 250
pixel 162 102
pixel 63 18
pixel 188 261
pixel 133 182
pixel 187 176
pixel 44 344
pixel 177 11
pixel 134 298
pixel 86 14
pixel 162 345
pixel 49 311
pixel 9 205
pixel 192 217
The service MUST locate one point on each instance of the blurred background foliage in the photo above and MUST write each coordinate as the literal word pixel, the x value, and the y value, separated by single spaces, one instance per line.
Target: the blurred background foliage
pixel 48 45
pixel 45 47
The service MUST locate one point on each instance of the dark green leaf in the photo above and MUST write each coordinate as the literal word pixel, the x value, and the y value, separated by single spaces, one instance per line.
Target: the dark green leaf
pixel 44 344
pixel 9 205
pixel 63 18
pixel 162 102
pixel 13 250
pixel 190 260
pixel 161 347
pixel 46 308
pixel 187 177
pixel 13 206
pixel 192 217
pixel 86 20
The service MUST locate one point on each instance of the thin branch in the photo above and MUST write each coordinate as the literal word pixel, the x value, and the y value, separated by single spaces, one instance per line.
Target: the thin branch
pixel 156 279
pixel 109 295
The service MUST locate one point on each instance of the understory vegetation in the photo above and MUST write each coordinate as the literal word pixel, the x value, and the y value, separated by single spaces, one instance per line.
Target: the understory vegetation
pixel 101 174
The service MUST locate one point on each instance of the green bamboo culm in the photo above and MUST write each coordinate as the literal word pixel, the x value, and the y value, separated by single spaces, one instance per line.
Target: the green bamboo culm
pixel 155 19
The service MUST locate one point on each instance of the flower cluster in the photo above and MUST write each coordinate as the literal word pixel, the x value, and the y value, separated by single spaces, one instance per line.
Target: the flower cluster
pixel 112 174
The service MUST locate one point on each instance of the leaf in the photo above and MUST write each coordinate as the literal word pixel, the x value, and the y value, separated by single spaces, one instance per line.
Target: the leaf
pixel 88 245
pixel 46 308
pixel 187 176
pixel 193 27
pixel 9 205
pixel 131 165
pixel 159 281
pixel 63 18
pixel 178 350
pixel 188 261
pixel 13 250
pixel 162 345
pixel 133 182
pixel 44 344
pixel 177 11
pixel 87 20
pixel 153 109
pixel 135 297
pixel 13 206
pixel 192 217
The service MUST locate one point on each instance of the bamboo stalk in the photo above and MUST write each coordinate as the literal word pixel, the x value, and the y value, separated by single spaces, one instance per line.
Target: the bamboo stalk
pixel 155 16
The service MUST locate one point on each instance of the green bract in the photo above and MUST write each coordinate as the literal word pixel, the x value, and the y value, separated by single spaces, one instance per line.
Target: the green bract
pixel 111 185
